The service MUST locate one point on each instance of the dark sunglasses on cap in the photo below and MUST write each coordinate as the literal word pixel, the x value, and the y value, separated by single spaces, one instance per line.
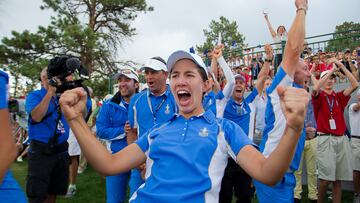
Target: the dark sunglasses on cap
pixel 127 71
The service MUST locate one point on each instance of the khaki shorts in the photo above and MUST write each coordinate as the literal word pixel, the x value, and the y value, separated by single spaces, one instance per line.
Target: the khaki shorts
pixel 355 146
pixel 334 158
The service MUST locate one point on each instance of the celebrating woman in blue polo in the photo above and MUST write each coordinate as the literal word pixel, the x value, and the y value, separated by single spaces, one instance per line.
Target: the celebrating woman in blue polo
pixel 186 157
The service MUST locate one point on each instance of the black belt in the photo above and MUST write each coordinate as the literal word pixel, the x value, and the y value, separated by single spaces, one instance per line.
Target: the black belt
pixel 355 136
pixel 328 134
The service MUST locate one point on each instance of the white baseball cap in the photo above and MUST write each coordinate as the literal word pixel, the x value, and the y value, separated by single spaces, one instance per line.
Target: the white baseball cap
pixel 127 72
pixel 155 64
pixel 325 73
pixel 180 54
pixel 240 76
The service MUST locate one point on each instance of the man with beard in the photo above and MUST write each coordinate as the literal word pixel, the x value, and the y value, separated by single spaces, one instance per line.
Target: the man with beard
pixel 110 128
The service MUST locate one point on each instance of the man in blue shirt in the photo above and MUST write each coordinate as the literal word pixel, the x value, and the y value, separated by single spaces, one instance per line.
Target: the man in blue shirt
pixel 110 128
pixel 155 105
pixel 292 72
pixel 10 190
pixel 48 170
pixel 186 157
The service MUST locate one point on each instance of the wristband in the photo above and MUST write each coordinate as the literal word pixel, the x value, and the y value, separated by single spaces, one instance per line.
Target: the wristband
pixel 268 60
pixel 301 8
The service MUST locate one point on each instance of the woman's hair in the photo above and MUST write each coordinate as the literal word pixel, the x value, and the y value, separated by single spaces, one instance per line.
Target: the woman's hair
pixel 203 74
pixel 137 89
pixel 277 31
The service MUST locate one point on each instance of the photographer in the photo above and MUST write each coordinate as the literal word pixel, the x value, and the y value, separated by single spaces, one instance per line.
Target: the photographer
pixel 48 169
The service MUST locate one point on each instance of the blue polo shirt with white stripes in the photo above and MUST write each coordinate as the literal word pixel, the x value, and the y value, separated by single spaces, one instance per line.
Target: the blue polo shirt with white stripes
pixel 147 110
pixel 186 158
pixel 240 113
pixel 275 126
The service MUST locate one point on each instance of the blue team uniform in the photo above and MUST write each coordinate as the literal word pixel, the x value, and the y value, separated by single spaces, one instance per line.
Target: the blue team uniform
pixel 110 128
pixel 10 190
pixel 240 113
pixel 236 181
pixel 209 102
pixel 186 158
pixel 44 130
pixel 145 111
pixel 274 129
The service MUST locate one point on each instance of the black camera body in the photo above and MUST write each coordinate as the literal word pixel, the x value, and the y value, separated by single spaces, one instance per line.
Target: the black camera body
pixel 13 106
pixel 61 67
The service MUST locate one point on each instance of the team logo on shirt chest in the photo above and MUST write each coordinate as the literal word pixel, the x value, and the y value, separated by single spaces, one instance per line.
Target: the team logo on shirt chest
pixel 210 102
pixel 204 132
pixel 167 109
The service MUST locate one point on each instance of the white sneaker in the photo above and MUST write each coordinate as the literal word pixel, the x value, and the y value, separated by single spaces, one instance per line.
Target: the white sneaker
pixel 330 194
pixel 70 192
pixel 19 159
pixel 356 198
pixel 80 171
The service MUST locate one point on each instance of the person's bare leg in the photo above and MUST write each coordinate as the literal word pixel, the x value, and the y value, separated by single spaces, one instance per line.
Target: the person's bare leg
pixel 356 176
pixel 336 197
pixel 73 167
pixel 323 185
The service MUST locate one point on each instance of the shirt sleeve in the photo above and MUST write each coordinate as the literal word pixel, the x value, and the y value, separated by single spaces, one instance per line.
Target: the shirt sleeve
pixel 143 142
pixel 32 100
pixel 229 77
pixel 106 129
pixel 235 138
pixel 250 98
pixel 219 95
pixel 3 90
pixel 281 78
pixel 343 99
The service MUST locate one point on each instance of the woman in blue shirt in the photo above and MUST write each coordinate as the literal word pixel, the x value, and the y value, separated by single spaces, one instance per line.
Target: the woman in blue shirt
pixel 186 156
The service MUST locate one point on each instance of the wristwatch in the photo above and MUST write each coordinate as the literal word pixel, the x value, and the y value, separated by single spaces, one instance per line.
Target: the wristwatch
pixel 268 60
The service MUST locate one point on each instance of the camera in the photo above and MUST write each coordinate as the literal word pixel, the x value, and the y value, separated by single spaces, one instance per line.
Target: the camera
pixel 13 106
pixel 60 68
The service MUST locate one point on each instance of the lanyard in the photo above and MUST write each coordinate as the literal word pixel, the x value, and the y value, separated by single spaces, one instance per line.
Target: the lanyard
pixel 240 108
pixel 157 108
pixel 330 105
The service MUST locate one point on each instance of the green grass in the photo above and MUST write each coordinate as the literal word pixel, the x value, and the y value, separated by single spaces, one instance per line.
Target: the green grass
pixel 91 186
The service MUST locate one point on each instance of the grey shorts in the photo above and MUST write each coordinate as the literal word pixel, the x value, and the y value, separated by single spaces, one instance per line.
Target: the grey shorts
pixel 334 158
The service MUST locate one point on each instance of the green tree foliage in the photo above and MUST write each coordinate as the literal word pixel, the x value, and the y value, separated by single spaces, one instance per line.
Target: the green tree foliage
pixel 347 35
pixel 229 33
pixel 100 85
pixel 89 29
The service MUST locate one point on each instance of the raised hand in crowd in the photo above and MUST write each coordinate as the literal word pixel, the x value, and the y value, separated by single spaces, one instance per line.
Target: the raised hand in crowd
pixel 73 103
pixel 131 134
pixel 294 103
